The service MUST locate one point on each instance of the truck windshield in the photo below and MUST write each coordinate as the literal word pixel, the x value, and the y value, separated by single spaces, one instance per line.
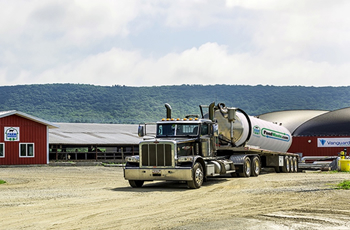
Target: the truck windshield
pixel 177 130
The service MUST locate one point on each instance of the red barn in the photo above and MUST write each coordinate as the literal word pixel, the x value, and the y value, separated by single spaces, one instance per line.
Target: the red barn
pixel 24 139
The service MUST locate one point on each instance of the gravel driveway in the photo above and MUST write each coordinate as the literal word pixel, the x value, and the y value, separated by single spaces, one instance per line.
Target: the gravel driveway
pixel 97 197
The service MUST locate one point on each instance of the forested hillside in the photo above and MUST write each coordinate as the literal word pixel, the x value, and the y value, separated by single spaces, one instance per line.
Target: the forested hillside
pixel 123 104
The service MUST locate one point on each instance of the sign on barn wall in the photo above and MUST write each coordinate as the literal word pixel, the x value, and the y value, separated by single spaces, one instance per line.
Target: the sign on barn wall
pixel 333 142
pixel 11 133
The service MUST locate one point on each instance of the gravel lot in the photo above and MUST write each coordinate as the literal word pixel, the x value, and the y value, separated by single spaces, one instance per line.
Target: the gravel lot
pixel 96 197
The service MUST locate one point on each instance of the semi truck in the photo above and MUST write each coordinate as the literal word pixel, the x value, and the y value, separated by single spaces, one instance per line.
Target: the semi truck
pixel 221 140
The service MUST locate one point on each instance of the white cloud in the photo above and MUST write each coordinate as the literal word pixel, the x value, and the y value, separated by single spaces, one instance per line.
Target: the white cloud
pixel 103 69
pixel 285 42
pixel 74 21
pixel 208 64
pixel 184 13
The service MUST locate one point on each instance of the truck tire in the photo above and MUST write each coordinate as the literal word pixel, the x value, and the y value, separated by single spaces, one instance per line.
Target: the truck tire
pixel 256 166
pixel 197 175
pixel 136 183
pixel 286 166
pixel 247 168
pixel 291 165
pixel 295 164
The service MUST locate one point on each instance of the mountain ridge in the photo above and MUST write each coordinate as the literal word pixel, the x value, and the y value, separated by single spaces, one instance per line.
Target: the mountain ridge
pixel 130 104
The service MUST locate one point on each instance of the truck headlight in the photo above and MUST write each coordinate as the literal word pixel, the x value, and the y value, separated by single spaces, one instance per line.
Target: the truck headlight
pixel 132 159
pixel 185 159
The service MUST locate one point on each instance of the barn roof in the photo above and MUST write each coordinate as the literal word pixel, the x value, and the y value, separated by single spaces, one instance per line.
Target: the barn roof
pixel 27 116
pixel 291 119
pixel 334 123
pixel 95 134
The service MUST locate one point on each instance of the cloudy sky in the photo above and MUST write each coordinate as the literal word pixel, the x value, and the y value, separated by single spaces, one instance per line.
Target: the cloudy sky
pixel 163 42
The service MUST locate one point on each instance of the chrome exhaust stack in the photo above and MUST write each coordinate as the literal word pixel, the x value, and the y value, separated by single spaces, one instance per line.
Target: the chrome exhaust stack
pixel 168 110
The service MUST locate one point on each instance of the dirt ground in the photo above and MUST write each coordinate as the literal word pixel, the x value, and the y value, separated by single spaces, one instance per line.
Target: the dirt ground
pixel 97 197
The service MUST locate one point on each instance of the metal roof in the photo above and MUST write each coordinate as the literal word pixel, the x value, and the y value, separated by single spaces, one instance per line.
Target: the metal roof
pixel 298 122
pixel 291 119
pixel 95 134
pixel 334 123
pixel 27 116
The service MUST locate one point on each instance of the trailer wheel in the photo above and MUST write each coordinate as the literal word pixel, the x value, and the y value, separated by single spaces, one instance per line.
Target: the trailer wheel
pixel 197 175
pixel 291 166
pixel 136 183
pixel 256 166
pixel 286 166
pixel 295 164
pixel 247 168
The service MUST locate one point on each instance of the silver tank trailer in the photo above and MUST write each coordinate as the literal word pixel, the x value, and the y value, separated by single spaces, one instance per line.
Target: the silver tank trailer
pixel 240 129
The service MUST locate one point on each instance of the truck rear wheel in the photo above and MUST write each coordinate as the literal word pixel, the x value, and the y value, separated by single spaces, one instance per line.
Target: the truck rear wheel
pixel 286 166
pixel 197 176
pixel 256 166
pixel 136 183
pixel 247 168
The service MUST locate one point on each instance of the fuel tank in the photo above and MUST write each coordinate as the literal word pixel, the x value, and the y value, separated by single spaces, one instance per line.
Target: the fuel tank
pixel 239 129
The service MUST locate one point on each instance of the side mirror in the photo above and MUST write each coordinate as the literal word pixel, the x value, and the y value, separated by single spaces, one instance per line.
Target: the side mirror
pixel 140 131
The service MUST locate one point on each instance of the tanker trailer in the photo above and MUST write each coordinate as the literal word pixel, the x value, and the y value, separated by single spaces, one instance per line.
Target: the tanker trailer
pixel 239 129
pixel 242 136
pixel 224 141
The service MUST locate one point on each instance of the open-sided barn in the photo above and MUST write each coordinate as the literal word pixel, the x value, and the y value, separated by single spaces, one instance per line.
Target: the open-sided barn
pixel 87 141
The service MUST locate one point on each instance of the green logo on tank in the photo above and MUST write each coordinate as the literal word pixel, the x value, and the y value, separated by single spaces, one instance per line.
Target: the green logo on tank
pixel 256 130
pixel 269 133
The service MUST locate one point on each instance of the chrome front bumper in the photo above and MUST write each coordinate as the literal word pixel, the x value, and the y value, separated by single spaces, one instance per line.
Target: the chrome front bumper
pixel 175 174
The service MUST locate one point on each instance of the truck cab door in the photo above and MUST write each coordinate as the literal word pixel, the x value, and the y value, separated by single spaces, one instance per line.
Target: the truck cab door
pixel 208 144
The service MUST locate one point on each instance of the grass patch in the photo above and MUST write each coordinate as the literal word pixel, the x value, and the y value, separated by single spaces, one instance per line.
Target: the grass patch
pixel 344 185
pixel 334 171
pixel 2 182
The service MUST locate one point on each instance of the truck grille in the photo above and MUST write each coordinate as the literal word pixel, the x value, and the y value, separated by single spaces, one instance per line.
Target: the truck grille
pixel 156 155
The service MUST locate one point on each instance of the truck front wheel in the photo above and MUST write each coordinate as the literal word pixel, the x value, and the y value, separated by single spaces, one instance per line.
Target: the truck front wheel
pixel 197 176
pixel 136 183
